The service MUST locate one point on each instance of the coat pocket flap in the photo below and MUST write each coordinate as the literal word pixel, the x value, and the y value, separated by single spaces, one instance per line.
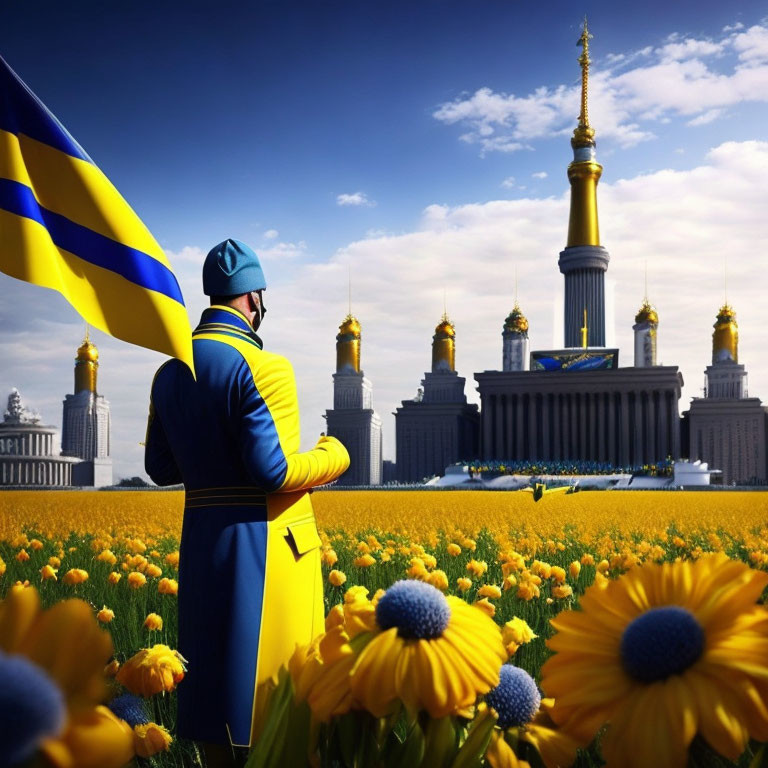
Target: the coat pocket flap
pixel 304 536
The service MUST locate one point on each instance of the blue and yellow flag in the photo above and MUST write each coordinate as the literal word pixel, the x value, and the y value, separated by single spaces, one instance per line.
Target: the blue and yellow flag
pixel 64 226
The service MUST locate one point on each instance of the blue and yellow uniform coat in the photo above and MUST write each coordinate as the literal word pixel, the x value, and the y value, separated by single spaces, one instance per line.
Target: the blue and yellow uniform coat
pixel 250 584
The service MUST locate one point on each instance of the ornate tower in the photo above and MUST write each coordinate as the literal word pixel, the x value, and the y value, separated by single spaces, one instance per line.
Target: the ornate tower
pixel 438 428
pixel 725 378
pixel 584 261
pixel 86 423
pixel 645 327
pixel 515 336
pixel 444 346
pixel 352 419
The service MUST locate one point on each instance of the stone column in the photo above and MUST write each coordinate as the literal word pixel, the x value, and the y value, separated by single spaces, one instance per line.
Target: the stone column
pixel 510 428
pixel 557 451
pixel 650 447
pixel 566 425
pixel 486 409
pixel 520 426
pixel 533 448
pixel 546 404
pixel 674 422
pixel 637 428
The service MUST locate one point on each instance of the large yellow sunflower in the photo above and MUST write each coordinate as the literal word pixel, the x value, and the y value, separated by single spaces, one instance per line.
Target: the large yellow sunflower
pixel 661 654
pixel 432 652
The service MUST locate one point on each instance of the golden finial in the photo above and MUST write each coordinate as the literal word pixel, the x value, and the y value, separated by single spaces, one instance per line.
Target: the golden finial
pixel 584 330
pixel 584 133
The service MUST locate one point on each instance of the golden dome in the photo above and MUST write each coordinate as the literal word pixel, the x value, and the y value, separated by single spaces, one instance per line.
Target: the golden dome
pixel 87 352
pixel 350 326
pixel 516 321
pixel 647 314
pixel 726 314
pixel 725 339
pixel 445 326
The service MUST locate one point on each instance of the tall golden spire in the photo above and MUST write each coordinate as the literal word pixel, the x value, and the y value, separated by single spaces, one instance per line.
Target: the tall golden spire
pixel 584 172
pixel 348 346
pixel 444 346
pixel 86 365
pixel 725 339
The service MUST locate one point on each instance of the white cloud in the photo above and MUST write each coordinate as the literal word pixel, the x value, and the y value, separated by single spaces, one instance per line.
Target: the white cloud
pixel 705 117
pixel 355 198
pixel 509 182
pixel 271 234
pixel 539 175
pixel 684 77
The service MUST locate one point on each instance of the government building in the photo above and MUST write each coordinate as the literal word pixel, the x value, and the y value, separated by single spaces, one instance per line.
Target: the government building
pixel 29 451
pixel 352 419
pixel 576 403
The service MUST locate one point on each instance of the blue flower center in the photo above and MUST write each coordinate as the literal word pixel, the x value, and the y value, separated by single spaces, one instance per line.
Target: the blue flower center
pixel 31 708
pixel 661 642
pixel 417 609
pixel 516 698
pixel 129 708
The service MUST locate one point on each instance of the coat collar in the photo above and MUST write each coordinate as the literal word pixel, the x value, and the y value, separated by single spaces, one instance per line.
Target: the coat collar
pixel 222 318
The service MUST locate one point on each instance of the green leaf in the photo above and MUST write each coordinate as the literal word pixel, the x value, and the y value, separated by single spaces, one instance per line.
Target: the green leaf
pixel 270 744
pixel 441 742
pixel 472 750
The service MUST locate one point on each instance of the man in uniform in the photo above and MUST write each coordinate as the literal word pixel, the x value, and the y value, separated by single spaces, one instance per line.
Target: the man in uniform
pixel 250 586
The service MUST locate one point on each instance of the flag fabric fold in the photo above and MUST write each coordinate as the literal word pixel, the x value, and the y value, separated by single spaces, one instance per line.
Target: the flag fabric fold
pixel 64 226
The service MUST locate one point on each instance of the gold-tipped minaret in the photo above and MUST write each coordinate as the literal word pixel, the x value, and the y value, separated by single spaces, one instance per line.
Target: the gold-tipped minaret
pixel 86 365
pixel 647 313
pixel 444 346
pixel 348 346
pixel 584 172
pixel 725 339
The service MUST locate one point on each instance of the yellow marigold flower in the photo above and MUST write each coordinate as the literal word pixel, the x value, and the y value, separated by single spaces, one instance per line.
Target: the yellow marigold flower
pixel 527 591
pixel 574 569
pixel 432 652
pixel 587 559
pixel 107 556
pixel 463 583
pixel 2 567
pixel 136 579
pixel 20 541
pixel 509 582
pixel 172 559
pixel 364 561
pixel 153 622
pixel 363 548
pixel 558 574
pixel 477 567
pixel 516 632
pixel 603 566
pixel 678 542
pixel 684 639
pixel 430 561
pixel 168 586
pixel 54 562
pixel 72 549
pixel 114 577
pixel 329 557
pixel 453 549
pixel 417 570
pixel 22 555
pixel 469 544
pixel 337 578
pixel 105 615
pixel 544 570
pixel 486 606
pixel 150 738
pixel 35 544
pixel 438 579
pixel 561 591
pixel 359 616
pixel 111 669
pixel 152 670
pixel 377 595
pixel 137 546
pixel 489 590
pixel 153 571
pixel 385 557
pixel 47 573
pixel 356 593
pixel 20 584
pixel 75 576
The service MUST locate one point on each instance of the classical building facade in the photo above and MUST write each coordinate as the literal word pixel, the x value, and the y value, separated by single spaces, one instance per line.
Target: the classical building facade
pixel 29 451
pixel 438 427
pixel 726 428
pixel 86 423
pixel 353 419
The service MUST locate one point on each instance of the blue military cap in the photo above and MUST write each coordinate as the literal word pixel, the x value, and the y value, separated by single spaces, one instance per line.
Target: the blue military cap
pixel 231 268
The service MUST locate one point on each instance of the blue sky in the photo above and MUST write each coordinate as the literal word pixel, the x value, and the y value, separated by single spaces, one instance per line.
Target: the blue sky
pixel 444 128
